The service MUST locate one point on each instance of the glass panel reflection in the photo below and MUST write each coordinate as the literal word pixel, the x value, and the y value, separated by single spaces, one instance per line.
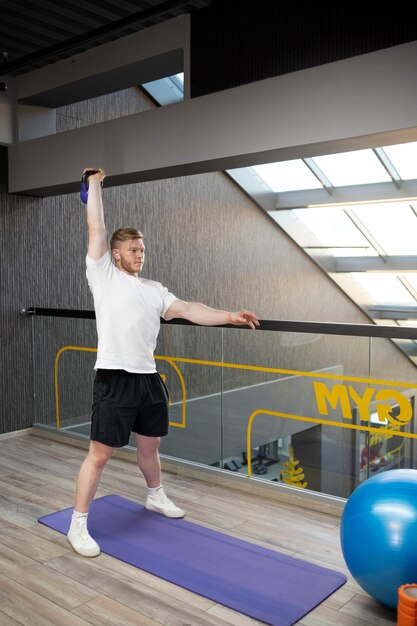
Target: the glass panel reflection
pixel 307 411
pixel 389 450
pixel 299 418
pixel 195 391
pixel 64 357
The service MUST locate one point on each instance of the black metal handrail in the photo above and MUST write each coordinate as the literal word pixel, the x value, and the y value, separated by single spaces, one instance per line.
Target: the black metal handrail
pixel 322 328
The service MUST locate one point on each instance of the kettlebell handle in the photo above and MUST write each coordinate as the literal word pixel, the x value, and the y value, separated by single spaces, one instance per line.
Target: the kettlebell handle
pixel 84 184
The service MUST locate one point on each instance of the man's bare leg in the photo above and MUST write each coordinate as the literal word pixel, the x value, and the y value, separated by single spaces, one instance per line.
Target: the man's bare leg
pixel 87 483
pixel 150 465
pixel 89 475
pixel 147 454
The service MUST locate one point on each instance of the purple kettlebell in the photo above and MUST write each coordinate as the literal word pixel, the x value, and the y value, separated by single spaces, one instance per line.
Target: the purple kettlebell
pixel 84 184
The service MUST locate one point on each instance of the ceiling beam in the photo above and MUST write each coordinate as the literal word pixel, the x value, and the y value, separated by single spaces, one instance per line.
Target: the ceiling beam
pixel 393 312
pixel 393 264
pixel 346 105
pixel 158 51
pixel 94 36
pixel 350 195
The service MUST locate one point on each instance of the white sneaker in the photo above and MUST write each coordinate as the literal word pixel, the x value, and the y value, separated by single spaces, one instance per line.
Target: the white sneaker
pixel 80 540
pixel 161 504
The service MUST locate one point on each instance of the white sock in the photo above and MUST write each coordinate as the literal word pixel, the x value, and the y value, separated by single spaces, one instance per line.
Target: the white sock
pixel 77 515
pixel 152 490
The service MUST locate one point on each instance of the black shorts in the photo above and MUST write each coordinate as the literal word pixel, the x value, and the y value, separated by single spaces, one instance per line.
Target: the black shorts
pixel 124 402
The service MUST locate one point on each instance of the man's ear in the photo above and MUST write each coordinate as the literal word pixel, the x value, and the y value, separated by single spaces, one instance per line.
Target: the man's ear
pixel 116 255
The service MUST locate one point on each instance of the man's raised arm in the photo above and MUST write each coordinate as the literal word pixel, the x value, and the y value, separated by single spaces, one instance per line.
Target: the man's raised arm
pixel 97 238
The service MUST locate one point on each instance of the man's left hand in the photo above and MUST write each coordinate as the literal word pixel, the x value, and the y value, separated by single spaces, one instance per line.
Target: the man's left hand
pixel 244 318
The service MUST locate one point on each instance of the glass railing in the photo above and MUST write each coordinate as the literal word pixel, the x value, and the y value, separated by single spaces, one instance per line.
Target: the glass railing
pixel 299 405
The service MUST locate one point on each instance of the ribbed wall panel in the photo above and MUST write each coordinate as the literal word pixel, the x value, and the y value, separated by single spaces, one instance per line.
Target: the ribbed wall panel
pixel 108 107
pixel 235 43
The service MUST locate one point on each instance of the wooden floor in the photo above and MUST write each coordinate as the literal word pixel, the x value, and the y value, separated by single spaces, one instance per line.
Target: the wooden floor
pixel 42 582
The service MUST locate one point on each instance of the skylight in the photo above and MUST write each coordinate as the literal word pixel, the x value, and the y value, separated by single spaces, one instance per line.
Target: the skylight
pixel 332 227
pixel 356 236
pixel 166 90
pixel 353 168
pixel 404 159
pixel 393 226
pixel 412 279
pixel 384 289
pixel 287 176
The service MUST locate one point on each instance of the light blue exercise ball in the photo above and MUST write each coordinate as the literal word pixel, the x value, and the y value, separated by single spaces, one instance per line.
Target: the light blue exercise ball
pixel 378 533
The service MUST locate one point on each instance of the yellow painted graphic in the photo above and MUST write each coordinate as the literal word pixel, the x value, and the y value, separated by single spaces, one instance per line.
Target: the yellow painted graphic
pixel 338 394
pixel 58 356
pixel 385 399
pixel 175 367
pixel 181 424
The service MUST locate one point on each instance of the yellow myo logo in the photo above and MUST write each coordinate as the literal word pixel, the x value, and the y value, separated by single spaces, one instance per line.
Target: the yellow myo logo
pixel 384 400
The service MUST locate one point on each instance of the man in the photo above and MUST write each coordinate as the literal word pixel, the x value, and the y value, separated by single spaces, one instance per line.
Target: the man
pixel 128 394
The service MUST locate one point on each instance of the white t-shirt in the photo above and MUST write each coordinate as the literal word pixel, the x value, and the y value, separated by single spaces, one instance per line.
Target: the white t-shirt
pixel 128 311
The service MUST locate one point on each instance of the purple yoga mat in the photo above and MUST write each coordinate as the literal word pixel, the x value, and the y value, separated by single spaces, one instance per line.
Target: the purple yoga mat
pixel 268 586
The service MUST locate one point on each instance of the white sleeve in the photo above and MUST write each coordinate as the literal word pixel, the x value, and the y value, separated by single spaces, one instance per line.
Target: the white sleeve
pixel 168 299
pixel 100 271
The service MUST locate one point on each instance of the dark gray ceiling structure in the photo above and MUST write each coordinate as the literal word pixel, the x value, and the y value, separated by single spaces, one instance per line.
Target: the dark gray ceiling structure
pixel 234 42
pixel 34 33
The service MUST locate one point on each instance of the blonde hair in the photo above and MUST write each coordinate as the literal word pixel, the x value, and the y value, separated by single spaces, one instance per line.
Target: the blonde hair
pixel 124 234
